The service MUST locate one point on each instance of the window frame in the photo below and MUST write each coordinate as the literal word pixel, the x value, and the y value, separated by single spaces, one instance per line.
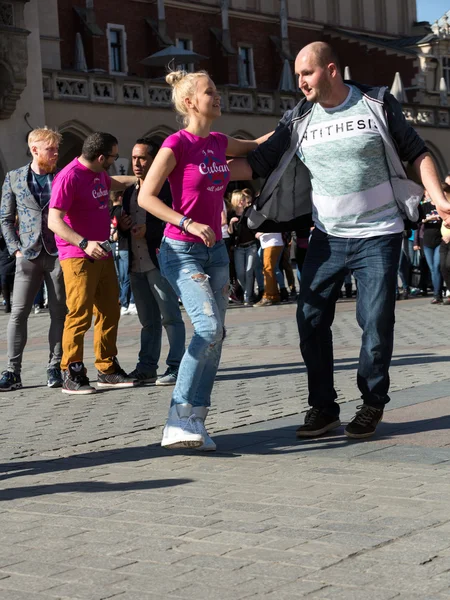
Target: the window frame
pixel 110 28
pixel 250 69
pixel 188 67
pixel 445 67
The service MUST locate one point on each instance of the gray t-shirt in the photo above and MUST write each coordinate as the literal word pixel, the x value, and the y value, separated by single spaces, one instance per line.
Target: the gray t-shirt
pixel 343 150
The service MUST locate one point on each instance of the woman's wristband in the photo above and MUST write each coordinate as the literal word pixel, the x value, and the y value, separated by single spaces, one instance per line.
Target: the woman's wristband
pixel 182 222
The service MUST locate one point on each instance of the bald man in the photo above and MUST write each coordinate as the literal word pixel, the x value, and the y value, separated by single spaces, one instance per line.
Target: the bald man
pixel 338 154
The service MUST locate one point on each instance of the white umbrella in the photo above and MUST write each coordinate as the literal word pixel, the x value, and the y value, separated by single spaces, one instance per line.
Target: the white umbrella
pixel 287 80
pixel 172 53
pixel 80 57
pixel 397 89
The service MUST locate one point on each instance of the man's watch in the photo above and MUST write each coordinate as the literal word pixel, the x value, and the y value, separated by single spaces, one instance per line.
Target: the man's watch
pixel 83 244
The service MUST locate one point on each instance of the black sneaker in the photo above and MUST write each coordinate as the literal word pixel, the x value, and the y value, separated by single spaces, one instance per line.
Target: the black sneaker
pixel 117 379
pixel 317 422
pixel 54 378
pixel 75 380
pixel 9 381
pixel 284 295
pixel 141 377
pixel 364 423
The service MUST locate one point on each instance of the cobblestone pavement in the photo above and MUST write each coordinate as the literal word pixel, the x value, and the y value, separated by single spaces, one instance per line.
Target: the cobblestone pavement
pixel 92 508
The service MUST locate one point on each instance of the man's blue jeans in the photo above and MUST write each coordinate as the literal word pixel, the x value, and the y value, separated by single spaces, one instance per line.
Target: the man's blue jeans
pixel 199 275
pixel 432 256
pixel 244 263
pixel 121 261
pixel 155 298
pixel 374 264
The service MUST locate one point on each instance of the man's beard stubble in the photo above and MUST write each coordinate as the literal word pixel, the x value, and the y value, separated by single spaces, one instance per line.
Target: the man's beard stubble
pixel 46 165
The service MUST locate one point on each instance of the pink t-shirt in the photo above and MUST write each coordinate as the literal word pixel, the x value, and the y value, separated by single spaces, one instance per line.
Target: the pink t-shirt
pixel 84 195
pixel 199 181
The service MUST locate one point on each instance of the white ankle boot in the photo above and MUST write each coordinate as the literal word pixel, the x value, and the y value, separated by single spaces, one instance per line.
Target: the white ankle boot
pixel 181 430
pixel 200 413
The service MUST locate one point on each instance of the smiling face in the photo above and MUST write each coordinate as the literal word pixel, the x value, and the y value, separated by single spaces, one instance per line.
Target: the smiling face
pixel 314 80
pixel 206 100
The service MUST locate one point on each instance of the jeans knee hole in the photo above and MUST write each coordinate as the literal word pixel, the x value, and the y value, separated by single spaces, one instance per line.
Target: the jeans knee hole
pixel 208 310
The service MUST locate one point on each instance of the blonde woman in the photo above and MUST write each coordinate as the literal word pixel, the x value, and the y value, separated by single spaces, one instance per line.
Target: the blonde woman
pixel 246 246
pixel 193 256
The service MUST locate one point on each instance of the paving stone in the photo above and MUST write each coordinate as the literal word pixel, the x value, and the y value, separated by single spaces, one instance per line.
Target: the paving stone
pixel 267 515
pixel 26 583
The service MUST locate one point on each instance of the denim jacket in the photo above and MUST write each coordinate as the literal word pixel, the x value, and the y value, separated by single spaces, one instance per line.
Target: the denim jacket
pixel 286 193
pixel 33 233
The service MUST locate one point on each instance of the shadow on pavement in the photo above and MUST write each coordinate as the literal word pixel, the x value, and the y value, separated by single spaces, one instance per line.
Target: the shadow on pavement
pixel 86 487
pixel 284 441
pixel 81 461
pixel 274 370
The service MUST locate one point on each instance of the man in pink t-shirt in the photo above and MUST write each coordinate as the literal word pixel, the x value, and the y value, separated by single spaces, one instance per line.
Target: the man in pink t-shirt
pixel 79 217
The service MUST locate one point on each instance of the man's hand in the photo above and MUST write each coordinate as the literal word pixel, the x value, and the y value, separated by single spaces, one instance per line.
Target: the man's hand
pixel 18 254
pixel 138 231
pixel 125 222
pixel 204 232
pixel 95 251
pixel 444 213
pixel 416 248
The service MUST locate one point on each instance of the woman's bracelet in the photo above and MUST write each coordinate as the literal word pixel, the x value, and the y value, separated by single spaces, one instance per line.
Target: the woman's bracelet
pixel 187 223
pixel 181 223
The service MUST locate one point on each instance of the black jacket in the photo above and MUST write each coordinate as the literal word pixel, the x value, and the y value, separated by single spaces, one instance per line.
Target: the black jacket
pixel 154 226
pixel 287 181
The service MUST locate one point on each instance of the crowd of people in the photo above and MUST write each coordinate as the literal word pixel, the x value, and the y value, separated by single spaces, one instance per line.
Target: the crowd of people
pixel 335 195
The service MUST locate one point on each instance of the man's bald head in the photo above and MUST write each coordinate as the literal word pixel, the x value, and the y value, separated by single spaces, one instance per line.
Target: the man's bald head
pixel 323 54
pixel 319 76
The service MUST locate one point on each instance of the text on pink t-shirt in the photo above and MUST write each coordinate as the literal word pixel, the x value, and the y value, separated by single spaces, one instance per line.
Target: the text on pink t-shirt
pixel 83 195
pixel 199 181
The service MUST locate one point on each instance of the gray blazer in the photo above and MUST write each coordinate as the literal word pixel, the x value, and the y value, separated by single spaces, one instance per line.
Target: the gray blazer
pixel 33 233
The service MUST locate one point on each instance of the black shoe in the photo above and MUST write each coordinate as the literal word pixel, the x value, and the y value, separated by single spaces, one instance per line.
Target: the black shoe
pixel 436 300
pixel 117 379
pixel 364 423
pixel 54 377
pixel 284 295
pixel 75 380
pixel 316 423
pixel 141 377
pixel 9 381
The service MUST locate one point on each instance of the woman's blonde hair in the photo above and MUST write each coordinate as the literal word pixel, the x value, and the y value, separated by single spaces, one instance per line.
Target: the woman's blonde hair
pixel 44 134
pixel 236 198
pixel 184 85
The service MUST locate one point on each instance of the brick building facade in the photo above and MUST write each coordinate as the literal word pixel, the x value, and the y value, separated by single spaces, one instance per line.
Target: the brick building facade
pixel 93 78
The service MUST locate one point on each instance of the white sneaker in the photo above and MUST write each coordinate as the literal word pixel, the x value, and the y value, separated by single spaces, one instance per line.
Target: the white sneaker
pixel 37 309
pixel 180 430
pixel 132 310
pixel 123 311
pixel 200 413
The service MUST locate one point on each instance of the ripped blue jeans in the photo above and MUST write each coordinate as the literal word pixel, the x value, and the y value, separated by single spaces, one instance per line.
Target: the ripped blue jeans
pixel 199 275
